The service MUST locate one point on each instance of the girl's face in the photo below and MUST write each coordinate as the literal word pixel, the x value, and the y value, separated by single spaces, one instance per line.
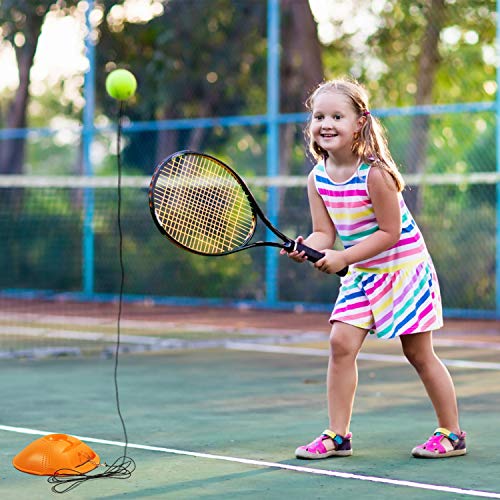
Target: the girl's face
pixel 334 123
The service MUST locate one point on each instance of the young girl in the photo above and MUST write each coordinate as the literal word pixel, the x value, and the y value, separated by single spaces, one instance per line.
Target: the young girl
pixel 391 289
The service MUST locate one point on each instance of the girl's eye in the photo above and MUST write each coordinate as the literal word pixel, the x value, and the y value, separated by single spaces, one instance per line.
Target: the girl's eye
pixel 318 117
pixel 337 117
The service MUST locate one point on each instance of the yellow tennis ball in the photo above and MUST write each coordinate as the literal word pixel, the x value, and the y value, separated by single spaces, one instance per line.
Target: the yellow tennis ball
pixel 121 84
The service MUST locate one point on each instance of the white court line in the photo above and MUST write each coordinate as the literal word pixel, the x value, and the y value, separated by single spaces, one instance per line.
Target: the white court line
pixel 390 358
pixel 274 465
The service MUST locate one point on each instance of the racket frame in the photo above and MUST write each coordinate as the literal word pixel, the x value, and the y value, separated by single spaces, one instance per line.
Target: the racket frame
pixel 287 244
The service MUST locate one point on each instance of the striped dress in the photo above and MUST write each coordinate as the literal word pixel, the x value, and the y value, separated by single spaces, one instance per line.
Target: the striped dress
pixel 395 292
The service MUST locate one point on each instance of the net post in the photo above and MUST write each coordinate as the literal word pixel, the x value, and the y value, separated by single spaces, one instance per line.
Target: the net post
pixel 273 156
pixel 87 138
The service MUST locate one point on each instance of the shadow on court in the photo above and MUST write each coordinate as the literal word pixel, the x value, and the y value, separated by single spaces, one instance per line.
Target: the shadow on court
pixel 247 406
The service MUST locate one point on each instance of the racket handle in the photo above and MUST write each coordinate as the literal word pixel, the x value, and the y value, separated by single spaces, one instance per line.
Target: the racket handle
pixel 313 255
pixel 343 272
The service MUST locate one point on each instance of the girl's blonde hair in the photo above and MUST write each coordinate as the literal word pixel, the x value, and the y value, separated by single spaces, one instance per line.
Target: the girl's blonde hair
pixel 370 144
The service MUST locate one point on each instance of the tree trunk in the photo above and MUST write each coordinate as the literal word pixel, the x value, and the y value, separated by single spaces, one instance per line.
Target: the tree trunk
pixel 301 64
pixel 12 151
pixel 301 71
pixel 427 67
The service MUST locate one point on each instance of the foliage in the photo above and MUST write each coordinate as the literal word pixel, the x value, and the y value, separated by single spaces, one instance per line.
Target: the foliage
pixel 221 71
pixel 200 58
pixel 384 53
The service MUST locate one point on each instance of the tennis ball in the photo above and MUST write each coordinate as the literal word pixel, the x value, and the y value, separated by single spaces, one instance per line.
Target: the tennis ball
pixel 121 84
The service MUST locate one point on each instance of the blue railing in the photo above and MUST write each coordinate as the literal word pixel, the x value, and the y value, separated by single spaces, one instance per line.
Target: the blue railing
pixel 272 120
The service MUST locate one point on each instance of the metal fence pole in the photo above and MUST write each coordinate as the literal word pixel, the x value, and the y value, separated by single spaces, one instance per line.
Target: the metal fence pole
pixel 273 147
pixel 87 138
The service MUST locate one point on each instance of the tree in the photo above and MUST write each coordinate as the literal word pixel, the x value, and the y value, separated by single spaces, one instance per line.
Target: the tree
pixel 217 69
pixel 417 52
pixel 21 24
pixel 428 64
pixel 301 67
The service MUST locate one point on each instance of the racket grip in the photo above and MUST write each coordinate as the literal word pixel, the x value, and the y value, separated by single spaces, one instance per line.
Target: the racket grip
pixel 314 256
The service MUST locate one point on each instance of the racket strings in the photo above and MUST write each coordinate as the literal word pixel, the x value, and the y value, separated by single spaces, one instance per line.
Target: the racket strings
pixel 205 210
pixel 235 219
pixel 197 202
pixel 206 204
pixel 202 206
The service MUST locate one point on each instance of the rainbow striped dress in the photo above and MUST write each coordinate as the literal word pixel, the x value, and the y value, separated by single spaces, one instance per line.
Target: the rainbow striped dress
pixel 395 292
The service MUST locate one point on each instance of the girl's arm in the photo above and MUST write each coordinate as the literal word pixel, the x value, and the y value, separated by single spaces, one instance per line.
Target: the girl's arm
pixel 323 231
pixel 385 201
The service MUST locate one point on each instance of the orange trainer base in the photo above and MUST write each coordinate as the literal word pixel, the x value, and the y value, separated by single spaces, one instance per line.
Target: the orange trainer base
pixel 56 454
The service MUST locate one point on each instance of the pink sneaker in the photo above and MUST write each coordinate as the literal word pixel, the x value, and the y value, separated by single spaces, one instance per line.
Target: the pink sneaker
pixel 317 449
pixel 441 444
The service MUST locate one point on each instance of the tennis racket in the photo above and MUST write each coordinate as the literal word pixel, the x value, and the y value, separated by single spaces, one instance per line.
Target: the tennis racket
pixel 204 206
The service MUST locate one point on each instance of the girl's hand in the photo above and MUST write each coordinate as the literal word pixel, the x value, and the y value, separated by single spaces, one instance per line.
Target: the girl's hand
pixel 296 256
pixel 333 262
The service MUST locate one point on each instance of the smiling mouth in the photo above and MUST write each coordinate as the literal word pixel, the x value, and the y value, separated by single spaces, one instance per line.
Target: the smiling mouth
pixel 327 136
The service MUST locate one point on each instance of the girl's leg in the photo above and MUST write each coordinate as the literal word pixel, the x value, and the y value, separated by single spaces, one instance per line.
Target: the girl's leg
pixel 342 380
pixel 419 351
pixel 342 376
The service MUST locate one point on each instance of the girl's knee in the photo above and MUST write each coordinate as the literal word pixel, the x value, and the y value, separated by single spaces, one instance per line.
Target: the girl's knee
pixel 419 359
pixel 416 360
pixel 345 341
pixel 340 349
pixel 418 350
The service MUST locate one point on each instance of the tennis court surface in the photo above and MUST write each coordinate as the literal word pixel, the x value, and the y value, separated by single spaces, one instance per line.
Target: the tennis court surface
pixel 216 400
